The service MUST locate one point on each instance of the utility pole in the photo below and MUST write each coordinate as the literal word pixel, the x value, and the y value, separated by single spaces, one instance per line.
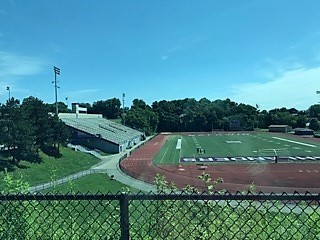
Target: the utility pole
pixel 56 72
pixel 124 114
pixel 8 89
pixel 67 102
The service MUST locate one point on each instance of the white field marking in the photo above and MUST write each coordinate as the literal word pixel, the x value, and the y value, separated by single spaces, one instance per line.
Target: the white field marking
pixel 315 170
pixel 300 143
pixel 300 171
pixel 178 144
pixel 297 148
pixel 308 151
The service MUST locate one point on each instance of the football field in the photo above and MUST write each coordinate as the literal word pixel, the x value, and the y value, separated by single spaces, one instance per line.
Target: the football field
pixel 236 147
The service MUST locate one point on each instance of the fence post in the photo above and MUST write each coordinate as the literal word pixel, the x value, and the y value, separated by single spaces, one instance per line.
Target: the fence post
pixel 124 217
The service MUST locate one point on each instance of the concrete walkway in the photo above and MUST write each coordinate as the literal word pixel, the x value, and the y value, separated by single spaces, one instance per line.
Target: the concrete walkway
pixel 110 165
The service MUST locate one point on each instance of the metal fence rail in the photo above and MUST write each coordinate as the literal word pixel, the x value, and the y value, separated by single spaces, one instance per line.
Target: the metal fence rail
pixel 63 180
pixel 160 216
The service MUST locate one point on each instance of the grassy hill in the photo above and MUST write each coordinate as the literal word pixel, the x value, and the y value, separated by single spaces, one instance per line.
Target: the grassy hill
pixel 34 173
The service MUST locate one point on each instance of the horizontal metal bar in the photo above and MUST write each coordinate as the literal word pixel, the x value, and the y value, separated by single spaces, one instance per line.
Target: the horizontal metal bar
pixel 192 197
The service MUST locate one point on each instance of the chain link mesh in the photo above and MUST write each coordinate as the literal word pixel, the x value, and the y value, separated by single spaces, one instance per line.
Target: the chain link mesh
pixel 160 216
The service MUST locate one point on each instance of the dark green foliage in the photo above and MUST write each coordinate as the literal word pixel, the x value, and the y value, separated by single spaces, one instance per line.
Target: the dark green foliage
pixel 109 108
pixel 314 111
pixel 164 216
pixel 142 117
pixel 29 127
pixel 314 124
pixel 63 108
pixel 189 114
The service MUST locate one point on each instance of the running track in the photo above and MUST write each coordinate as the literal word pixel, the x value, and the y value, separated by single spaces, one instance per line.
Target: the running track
pixel 281 177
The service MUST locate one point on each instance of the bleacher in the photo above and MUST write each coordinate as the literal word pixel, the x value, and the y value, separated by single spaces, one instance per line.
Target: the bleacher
pixel 102 128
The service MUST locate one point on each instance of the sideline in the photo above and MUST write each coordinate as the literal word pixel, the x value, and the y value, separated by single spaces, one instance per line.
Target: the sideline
pixel 300 143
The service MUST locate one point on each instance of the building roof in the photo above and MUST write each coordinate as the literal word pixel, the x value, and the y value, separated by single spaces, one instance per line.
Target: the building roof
pixel 303 130
pixel 279 126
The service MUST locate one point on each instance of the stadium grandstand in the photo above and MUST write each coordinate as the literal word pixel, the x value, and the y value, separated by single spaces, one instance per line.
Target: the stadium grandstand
pixel 94 131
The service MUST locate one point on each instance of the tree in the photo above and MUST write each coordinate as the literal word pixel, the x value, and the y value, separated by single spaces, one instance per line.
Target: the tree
pixel 37 115
pixel 16 133
pixel 314 111
pixel 46 128
pixel 110 108
pixel 60 132
pixel 142 117
pixel 314 124
pixel 63 108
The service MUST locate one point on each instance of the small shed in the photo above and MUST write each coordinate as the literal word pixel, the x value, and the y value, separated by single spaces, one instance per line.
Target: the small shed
pixel 280 128
pixel 303 132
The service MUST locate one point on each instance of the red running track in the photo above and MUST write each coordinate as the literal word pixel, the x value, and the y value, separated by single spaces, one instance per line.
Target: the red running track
pixel 281 177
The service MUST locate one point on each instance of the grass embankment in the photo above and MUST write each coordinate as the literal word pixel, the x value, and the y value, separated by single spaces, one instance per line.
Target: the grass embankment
pixel 93 183
pixel 70 162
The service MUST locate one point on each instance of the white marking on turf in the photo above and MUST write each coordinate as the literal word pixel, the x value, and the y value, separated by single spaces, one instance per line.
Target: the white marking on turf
pixel 178 144
pixel 300 143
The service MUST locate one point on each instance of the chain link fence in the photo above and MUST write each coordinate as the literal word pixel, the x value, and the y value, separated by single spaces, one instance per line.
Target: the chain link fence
pixel 160 216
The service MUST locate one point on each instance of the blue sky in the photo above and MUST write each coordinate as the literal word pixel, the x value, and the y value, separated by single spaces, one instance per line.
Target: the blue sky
pixel 251 51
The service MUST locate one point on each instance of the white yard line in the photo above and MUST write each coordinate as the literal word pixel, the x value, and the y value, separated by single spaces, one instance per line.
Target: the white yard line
pixel 178 144
pixel 300 143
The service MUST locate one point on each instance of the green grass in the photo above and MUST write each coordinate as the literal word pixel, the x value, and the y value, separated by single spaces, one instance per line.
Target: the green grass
pixel 70 162
pixel 254 144
pixel 93 183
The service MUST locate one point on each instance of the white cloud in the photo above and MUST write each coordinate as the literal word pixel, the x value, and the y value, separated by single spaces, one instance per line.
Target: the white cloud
pixel 79 93
pixel 164 57
pixel 174 49
pixel 294 88
pixel 12 65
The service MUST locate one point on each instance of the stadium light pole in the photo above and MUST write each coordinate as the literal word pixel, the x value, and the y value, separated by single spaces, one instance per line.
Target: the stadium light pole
pixel 8 89
pixel 56 72
pixel 124 114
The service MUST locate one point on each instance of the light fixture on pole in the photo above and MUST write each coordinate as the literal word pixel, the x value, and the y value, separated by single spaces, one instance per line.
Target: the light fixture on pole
pixel 56 72
pixel 8 89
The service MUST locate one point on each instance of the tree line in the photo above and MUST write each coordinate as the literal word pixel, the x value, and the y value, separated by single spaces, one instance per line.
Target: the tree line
pixel 191 115
pixel 30 126
pixel 27 128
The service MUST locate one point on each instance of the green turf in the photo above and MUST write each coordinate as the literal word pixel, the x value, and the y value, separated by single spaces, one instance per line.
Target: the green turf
pixel 253 144
pixel 70 162
pixel 93 183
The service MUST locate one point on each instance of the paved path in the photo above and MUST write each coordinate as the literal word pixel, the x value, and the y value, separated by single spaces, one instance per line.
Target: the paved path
pixel 110 165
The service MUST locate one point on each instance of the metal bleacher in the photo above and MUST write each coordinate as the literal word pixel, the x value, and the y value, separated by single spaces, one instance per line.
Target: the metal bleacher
pixel 103 128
